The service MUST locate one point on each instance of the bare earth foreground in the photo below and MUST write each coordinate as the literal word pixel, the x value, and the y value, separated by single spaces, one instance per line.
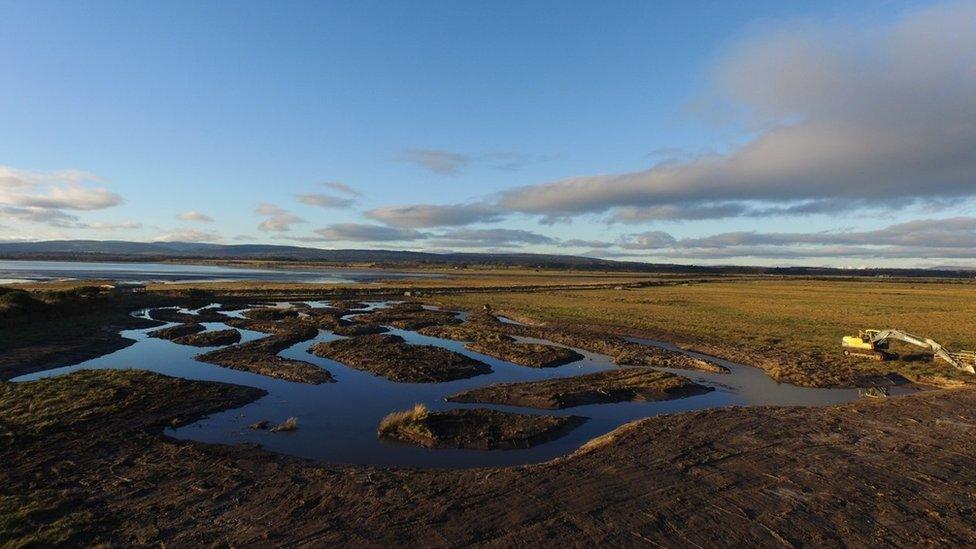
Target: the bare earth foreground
pixel 85 462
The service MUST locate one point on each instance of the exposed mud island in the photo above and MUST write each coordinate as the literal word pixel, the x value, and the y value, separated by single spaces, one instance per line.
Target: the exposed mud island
pixel 107 453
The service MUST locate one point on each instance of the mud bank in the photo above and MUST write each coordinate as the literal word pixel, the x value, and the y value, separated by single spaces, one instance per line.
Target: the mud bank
pixel 352 330
pixel 66 345
pixel 270 313
pixel 623 352
pixel 169 314
pixel 476 429
pixel 216 338
pixel 94 469
pixel 407 316
pixel 628 384
pixel 261 356
pixel 389 356
pixel 533 355
pixel 177 331
pixel 464 332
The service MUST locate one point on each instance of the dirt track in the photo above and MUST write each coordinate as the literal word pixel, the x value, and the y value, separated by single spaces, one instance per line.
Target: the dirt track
pixel 895 472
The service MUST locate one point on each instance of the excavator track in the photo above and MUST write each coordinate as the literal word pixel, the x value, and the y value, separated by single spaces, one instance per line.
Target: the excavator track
pixel 861 354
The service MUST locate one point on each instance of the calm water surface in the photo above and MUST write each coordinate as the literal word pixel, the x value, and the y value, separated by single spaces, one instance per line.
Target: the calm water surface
pixel 337 421
pixel 24 271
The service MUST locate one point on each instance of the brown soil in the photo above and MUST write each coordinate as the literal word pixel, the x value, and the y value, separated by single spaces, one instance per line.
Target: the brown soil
pixel 407 316
pixel 627 384
pixel 352 330
pixel 264 326
pixel 173 315
pixel 526 354
pixel 326 317
pixel 347 306
pixel 270 313
pixel 479 429
pixel 215 338
pixel 287 326
pixel 93 469
pixel 389 356
pixel 174 332
pixel 261 356
pixel 84 417
pixel 464 332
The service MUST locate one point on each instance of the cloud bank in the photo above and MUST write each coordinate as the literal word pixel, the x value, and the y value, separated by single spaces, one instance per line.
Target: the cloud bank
pixel 429 215
pixel 47 197
pixel 854 115
pixel 950 238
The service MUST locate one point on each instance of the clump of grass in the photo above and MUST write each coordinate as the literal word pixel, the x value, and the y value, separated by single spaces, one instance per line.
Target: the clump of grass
pixel 403 420
pixel 289 424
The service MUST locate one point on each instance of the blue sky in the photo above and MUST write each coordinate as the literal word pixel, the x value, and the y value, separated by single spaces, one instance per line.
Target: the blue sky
pixel 693 132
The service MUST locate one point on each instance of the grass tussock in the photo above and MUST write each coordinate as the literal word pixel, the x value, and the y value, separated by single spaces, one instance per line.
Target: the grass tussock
pixel 287 425
pixel 405 419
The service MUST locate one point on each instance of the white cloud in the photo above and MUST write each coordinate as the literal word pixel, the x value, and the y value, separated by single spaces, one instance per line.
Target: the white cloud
pixel 436 161
pixel 103 226
pixel 342 188
pixel 360 232
pixel 278 219
pixel 443 162
pixel 325 200
pixel 430 215
pixel 481 238
pixel 188 235
pixel 54 218
pixel 265 209
pixel 43 197
pixel 195 216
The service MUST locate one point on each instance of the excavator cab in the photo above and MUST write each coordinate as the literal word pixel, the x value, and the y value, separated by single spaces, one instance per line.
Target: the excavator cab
pixel 864 344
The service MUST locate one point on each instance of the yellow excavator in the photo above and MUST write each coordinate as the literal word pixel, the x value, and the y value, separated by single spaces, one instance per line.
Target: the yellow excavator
pixel 874 344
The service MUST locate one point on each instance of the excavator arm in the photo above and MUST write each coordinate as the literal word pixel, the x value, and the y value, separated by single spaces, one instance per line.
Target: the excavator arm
pixel 925 343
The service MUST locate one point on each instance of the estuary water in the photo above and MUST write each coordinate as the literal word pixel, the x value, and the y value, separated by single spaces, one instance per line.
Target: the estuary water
pixel 338 421
pixel 31 271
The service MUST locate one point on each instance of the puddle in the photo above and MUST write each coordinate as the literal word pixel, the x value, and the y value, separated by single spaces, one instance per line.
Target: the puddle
pixel 337 421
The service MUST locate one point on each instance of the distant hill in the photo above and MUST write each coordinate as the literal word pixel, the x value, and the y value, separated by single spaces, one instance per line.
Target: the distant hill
pixel 120 250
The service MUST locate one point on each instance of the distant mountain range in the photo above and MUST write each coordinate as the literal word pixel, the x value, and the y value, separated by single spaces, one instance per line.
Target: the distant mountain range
pixel 120 250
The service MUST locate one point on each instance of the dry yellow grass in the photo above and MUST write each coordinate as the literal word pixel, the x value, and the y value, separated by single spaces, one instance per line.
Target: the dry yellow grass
pixel 403 419
pixel 791 324
pixel 289 424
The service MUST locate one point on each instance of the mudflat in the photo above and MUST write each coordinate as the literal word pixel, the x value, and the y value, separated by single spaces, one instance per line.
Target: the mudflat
pixel 391 357
pixel 766 476
pixel 465 332
pixel 407 316
pixel 533 355
pixel 178 331
pixel 261 355
pixel 478 429
pixel 214 338
pixel 626 384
